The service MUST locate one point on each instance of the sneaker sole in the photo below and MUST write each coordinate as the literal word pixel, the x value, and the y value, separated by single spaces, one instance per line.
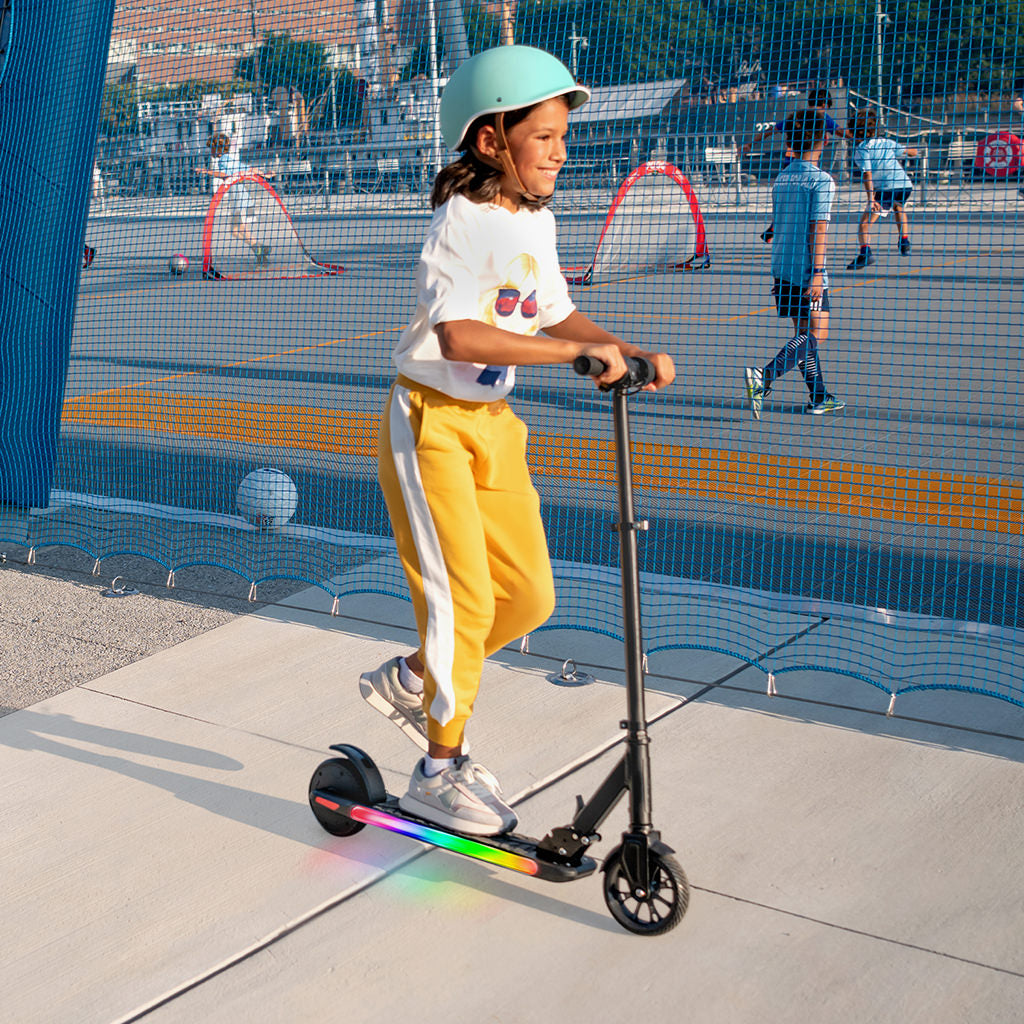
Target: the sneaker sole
pixel 827 412
pixel 380 703
pixel 436 816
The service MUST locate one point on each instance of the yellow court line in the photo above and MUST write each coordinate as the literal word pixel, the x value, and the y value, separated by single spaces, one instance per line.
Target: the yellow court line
pixel 895 493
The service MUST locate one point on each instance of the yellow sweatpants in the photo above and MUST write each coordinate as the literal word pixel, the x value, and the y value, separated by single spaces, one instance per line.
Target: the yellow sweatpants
pixel 466 520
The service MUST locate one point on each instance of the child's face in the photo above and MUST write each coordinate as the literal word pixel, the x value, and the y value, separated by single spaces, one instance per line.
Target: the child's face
pixel 537 148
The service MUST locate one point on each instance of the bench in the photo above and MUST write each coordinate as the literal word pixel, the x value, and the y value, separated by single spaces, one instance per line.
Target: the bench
pixel 723 162
pixel 958 153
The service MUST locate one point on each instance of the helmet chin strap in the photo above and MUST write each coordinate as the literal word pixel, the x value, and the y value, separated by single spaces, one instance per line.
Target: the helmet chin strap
pixel 503 162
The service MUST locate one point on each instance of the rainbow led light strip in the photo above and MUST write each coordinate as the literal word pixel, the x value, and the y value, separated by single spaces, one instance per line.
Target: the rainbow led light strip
pixel 426 834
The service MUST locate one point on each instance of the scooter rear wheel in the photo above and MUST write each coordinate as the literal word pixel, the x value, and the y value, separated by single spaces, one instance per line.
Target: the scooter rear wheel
pixel 653 912
pixel 350 780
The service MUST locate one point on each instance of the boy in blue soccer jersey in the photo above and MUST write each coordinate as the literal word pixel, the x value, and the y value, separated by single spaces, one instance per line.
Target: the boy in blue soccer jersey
pixel 801 203
pixel 817 99
pixel 885 181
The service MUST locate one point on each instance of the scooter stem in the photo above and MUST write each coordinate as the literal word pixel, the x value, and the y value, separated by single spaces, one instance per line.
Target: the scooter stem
pixel 638 758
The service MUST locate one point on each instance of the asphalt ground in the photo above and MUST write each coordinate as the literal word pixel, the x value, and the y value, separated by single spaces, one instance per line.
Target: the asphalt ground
pixel 920 348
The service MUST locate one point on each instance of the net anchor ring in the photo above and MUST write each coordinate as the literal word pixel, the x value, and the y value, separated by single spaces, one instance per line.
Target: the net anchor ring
pixel 96 567
pixel 170 580
pixel 772 691
pixel 334 606
pixel 571 675
pixel 118 591
pixel 31 560
pixel 892 706
pixel 524 644
pixel 252 591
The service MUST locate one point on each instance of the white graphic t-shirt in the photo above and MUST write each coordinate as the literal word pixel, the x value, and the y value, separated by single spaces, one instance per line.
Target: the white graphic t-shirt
pixel 481 262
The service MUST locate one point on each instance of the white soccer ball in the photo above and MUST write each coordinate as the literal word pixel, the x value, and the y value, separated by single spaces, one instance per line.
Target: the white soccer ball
pixel 267 497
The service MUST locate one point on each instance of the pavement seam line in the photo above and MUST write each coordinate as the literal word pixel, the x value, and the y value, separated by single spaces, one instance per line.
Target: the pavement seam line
pixel 858 931
pixel 264 943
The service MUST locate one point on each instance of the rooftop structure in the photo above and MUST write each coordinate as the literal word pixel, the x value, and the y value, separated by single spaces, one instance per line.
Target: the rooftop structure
pixel 174 40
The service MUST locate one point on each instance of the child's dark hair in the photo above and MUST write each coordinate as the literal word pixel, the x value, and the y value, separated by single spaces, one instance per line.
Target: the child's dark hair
pixel 865 125
pixel 471 176
pixel 819 98
pixel 804 130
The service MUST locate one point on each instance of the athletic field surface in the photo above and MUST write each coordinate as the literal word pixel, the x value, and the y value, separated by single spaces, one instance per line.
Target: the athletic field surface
pixel 161 863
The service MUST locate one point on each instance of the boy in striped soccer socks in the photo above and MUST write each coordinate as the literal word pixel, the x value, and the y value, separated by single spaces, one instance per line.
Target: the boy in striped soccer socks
pixel 801 202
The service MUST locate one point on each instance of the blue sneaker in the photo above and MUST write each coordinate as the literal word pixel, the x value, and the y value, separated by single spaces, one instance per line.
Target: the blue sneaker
pixel 904 246
pixel 864 259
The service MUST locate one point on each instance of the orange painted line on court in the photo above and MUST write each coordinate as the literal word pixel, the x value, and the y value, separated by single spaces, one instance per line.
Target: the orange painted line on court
pixel 896 493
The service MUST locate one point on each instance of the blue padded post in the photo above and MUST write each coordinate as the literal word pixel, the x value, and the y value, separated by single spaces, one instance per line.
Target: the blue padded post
pixel 51 84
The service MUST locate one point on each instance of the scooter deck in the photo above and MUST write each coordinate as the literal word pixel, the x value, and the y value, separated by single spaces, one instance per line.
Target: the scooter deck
pixel 512 851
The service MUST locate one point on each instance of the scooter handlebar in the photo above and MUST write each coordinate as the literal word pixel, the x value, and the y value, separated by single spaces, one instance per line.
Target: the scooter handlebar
pixel 638 371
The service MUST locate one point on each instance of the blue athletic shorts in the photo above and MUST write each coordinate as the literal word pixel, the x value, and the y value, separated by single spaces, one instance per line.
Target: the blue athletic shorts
pixel 791 301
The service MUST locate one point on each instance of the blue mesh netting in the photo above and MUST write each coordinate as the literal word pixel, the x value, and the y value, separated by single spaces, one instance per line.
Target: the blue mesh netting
pixel 882 542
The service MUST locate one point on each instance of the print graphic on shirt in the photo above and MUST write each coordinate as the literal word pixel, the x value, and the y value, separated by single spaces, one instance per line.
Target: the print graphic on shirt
pixel 511 306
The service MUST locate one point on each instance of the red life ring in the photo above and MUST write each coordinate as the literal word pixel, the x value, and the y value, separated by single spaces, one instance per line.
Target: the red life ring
pixel 999 154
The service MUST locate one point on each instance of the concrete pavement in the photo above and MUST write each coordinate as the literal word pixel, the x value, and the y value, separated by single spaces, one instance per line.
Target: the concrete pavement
pixel 161 863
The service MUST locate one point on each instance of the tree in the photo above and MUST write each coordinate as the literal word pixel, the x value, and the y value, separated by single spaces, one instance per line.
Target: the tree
pixel 305 65
pixel 119 110
pixel 281 60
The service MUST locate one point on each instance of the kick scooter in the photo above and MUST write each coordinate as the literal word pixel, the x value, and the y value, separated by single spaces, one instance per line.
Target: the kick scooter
pixel 644 885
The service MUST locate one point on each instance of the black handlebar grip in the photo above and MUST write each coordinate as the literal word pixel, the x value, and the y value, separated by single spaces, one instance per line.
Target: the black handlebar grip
pixel 638 371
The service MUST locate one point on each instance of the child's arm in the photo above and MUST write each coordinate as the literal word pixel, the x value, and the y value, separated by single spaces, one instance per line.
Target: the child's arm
pixel 210 172
pixel 472 341
pixel 745 149
pixel 819 252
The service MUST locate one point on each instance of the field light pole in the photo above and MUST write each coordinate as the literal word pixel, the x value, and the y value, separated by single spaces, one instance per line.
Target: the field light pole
pixel 256 58
pixel 435 142
pixel 881 18
pixel 577 43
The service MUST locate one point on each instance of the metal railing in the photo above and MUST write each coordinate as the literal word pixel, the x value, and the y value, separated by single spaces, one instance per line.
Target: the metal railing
pixel 946 157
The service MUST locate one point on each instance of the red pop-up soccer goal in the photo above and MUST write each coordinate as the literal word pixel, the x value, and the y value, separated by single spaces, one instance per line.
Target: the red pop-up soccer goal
pixel 248 232
pixel 654 224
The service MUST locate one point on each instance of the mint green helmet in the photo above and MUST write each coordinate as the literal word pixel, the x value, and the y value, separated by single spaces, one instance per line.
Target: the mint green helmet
pixel 503 78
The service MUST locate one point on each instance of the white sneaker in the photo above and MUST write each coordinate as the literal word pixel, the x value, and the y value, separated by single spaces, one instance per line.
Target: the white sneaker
pixel 458 799
pixel 382 690
pixel 755 390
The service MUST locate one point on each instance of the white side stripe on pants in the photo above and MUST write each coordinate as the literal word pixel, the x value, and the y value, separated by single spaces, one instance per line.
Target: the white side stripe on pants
pixel 439 647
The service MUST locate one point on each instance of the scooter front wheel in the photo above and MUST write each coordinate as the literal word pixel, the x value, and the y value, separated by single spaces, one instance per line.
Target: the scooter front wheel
pixel 351 778
pixel 650 912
